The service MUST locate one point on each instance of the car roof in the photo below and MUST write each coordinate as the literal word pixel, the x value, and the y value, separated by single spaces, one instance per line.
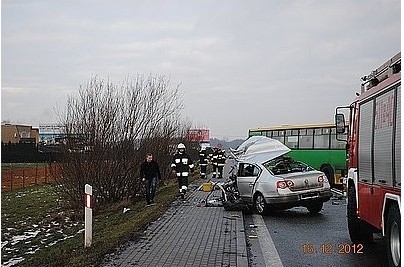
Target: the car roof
pixel 259 149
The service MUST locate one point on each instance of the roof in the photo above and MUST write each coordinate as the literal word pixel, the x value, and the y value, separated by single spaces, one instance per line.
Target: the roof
pixel 295 126
pixel 259 149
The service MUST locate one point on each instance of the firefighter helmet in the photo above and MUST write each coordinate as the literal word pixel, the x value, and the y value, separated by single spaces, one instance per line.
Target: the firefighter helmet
pixel 181 146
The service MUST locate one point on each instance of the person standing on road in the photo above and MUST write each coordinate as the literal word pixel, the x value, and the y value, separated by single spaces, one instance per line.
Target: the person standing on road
pixel 182 165
pixel 203 162
pixel 150 173
pixel 215 162
pixel 221 160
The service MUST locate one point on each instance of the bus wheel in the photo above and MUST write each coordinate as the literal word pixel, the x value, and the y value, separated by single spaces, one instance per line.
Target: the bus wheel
pixel 393 236
pixel 358 231
pixel 329 172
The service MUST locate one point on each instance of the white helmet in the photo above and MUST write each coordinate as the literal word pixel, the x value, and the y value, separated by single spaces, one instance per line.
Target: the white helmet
pixel 181 146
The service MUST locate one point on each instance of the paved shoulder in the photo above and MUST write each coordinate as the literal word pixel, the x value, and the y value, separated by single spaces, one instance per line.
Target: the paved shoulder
pixel 189 234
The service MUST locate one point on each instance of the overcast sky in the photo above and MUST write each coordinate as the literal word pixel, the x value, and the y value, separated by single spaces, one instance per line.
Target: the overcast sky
pixel 241 64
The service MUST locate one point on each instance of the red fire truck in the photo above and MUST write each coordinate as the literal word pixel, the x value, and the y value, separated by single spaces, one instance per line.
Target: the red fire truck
pixel 374 158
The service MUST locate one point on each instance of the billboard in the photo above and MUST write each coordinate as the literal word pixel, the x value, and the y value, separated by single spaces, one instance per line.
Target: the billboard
pixel 198 135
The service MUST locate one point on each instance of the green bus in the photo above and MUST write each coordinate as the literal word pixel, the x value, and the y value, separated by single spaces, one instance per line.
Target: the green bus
pixel 313 144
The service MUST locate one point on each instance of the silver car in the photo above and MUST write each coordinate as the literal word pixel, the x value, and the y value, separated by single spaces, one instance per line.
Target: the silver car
pixel 268 180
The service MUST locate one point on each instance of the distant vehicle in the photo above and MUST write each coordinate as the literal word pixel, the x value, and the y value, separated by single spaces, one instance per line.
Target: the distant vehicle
pixel 267 180
pixel 314 144
pixel 374 142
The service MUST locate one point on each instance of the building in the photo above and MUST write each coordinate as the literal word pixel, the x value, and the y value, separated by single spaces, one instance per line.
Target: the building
pixel 51 133
pixel 14 134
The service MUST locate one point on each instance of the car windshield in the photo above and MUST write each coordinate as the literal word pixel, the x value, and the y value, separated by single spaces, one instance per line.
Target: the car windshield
pixel 283 165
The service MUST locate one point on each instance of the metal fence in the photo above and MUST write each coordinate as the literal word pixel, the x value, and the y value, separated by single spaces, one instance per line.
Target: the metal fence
pixel 21 175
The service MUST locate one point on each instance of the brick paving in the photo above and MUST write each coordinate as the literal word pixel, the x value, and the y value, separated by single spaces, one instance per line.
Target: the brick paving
pixel 189 234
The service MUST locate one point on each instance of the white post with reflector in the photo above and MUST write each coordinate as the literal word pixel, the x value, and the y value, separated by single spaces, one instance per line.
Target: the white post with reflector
pixel 88 215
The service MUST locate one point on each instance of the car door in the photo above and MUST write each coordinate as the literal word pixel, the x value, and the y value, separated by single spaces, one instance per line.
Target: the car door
pixel 247 175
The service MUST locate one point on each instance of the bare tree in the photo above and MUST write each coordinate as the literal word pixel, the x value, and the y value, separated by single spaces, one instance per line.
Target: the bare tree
pixel 110 128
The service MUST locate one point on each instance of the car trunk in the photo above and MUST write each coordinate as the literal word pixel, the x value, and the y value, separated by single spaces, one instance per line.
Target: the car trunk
pixel 303 181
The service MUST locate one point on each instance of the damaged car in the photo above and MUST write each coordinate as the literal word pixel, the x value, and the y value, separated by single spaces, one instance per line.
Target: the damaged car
pixel 268 180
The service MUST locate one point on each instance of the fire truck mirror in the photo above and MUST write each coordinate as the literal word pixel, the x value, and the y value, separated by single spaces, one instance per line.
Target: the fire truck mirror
pixel 340 123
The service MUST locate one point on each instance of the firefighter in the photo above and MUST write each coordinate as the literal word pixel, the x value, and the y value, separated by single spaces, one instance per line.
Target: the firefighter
pixel 215 162
pixel 221 160
pixel 182 165
pixel 203 162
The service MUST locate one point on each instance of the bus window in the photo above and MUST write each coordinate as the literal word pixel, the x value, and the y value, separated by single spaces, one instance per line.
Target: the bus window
pixel 321 140
pixel 279 135
pixel 337 143
pixel 291 141
pixel 291 138
pixel 268 133
pixel 306 138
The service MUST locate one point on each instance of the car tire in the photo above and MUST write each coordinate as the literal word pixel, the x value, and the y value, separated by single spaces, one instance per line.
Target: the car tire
pixel 393 229
pixel 315 207
pixel 358 231
pixel 260 204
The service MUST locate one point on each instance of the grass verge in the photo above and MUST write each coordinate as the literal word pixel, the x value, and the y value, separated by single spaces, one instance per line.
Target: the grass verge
pixel 49 236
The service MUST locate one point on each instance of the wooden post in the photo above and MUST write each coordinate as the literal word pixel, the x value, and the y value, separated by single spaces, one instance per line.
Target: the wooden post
pixel 36 172
pixel 23 177
pixel 11 175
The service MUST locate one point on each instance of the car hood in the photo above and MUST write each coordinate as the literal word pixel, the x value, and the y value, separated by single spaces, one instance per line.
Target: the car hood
pixel 259 149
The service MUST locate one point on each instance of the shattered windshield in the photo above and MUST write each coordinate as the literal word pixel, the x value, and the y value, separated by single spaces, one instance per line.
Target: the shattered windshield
pixel 284 164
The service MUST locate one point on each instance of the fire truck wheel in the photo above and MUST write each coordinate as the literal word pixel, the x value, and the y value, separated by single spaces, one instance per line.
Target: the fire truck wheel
pixel 358 231
pixel 393 241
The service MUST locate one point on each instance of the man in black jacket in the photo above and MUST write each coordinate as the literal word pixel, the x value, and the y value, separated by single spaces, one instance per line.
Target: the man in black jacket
pixel 182 165
pixel 150 173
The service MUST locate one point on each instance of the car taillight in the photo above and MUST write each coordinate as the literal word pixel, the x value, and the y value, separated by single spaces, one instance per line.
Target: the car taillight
pixel 284 184
pixel 290 183
pixel 322 179
pixel 281 184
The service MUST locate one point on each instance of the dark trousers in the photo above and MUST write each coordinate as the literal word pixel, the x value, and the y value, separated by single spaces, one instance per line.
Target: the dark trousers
pixel 182 181
pixel 203 171
pixel 220 171
pixel 215 171
pixel 151 185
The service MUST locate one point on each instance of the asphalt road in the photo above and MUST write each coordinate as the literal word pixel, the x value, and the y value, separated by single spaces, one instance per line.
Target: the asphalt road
pixel 301 239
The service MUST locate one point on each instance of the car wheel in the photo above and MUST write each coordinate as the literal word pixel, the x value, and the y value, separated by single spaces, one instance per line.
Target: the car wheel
pixel 393 236
pixel 315 207
pixel 260 204
pixel 358 231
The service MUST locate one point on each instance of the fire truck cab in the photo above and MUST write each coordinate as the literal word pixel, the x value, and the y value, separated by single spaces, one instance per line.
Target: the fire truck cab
pixel 373 183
